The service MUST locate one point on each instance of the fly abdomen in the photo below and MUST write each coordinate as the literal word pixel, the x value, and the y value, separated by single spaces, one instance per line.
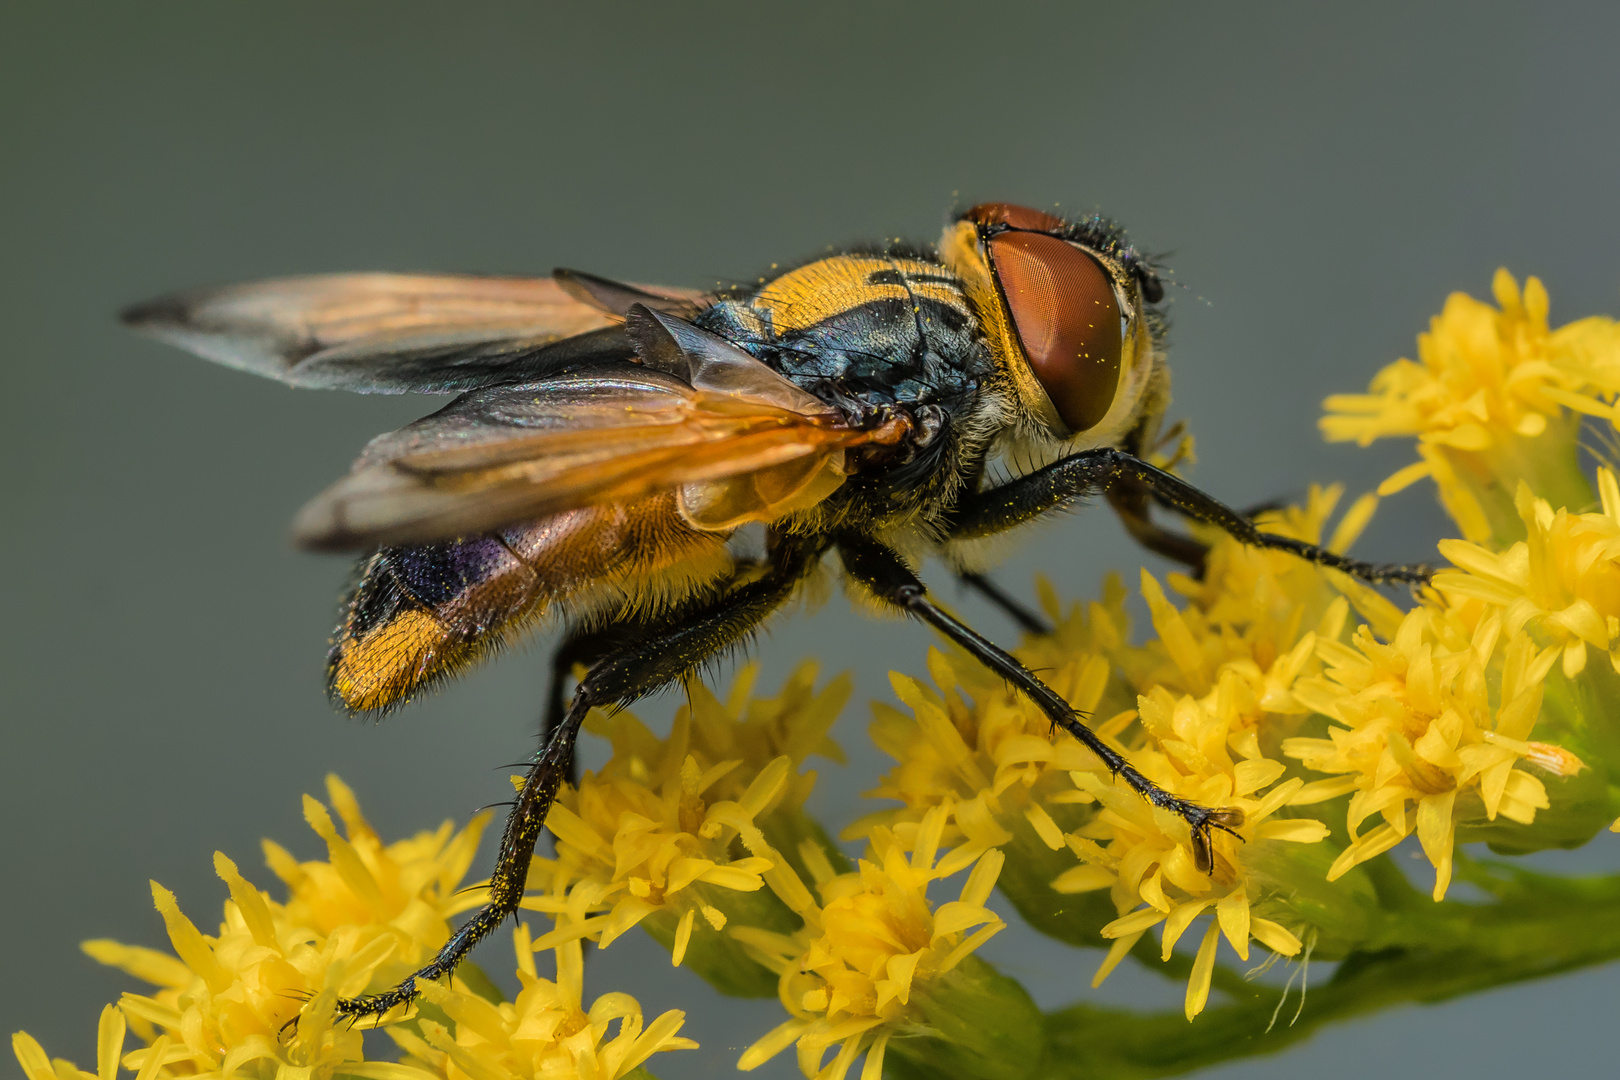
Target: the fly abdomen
pixel 418 614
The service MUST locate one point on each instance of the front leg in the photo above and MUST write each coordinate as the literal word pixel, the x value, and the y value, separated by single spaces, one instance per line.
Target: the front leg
pixel 1100 471
pixel 881 571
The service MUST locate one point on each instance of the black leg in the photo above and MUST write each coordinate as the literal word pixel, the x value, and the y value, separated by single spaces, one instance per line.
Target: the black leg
pixel 881 570
pixel 1015 610
pixel 579 647
pixel 1132 508
pixel 1090 472
pixel 661 655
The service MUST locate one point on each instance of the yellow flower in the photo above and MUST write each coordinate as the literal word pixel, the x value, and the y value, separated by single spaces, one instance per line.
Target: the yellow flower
pixel 1146 857
pixel 851 978
pixel 1250 610
pixel 671 827
pixel 366 917
pixel 1250 627
pixel 1497 396
pixel 545 1033
pixel 109 1052
pixel 992 761
pixel 409 889
pixel 225 1003
pixel 1417 740
pixel 980 750
pixel 1563 580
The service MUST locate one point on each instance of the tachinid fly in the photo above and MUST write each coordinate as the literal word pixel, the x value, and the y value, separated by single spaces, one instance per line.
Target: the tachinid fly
pixel 608 440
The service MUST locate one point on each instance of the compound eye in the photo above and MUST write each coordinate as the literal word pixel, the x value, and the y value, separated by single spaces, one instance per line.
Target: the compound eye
pixel 1014 217
pixel 1068 320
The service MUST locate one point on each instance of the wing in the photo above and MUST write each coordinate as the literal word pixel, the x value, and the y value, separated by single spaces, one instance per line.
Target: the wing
pixel 392 333
pixel 735 440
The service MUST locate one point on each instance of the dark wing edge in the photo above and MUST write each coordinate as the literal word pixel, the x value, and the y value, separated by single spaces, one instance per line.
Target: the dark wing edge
pixel 396 333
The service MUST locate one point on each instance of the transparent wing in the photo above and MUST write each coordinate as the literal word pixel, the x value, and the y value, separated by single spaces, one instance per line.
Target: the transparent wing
pixel 392 333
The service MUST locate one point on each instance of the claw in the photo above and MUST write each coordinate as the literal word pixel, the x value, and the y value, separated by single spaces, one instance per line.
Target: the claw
pixel 1203 852
pixel 377 1006
pixel 1228 819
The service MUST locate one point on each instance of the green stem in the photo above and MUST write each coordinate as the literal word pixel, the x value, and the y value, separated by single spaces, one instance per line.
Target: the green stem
pixel 1537 926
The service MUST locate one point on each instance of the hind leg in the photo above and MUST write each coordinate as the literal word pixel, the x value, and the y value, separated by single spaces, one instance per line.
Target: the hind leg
pixel 642 662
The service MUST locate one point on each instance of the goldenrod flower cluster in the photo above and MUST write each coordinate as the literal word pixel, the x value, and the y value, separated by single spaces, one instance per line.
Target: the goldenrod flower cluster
pixel 1329 721
pixel 857 973
pixel 1496 396
pixel 256 999
pixel 1331 717
pixel 680 834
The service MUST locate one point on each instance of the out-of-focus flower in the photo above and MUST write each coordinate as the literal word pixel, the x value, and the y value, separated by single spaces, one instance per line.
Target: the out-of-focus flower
pixel 364 918
pixel 37 1065
pixel 226 1004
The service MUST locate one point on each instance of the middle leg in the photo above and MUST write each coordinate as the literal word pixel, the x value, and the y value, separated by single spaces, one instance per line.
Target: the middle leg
pixel 1015 609
pixel 881 570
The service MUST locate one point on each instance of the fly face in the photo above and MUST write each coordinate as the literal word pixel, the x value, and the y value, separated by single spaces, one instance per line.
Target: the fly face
pixel 1064 307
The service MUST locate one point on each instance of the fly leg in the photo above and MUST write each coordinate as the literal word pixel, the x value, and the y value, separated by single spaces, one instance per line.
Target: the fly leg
pixel 1130 503
pixel 654 658
pixel 579 647
pixel 1091 472
pixel 1026 617
pixel 881 571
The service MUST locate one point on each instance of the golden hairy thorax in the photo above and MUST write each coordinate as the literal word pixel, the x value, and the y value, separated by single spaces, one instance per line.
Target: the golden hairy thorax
pixel 830 287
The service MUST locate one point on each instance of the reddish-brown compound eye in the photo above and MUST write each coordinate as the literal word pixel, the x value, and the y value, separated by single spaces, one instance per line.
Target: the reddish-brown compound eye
pixel 1063 306
pixel 1014 217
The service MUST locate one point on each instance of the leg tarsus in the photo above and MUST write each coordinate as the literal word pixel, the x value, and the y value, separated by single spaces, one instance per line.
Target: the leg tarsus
pixel 506 885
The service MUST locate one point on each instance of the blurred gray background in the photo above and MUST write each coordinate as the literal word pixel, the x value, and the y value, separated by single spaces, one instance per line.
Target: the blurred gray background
pixel 1322 179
